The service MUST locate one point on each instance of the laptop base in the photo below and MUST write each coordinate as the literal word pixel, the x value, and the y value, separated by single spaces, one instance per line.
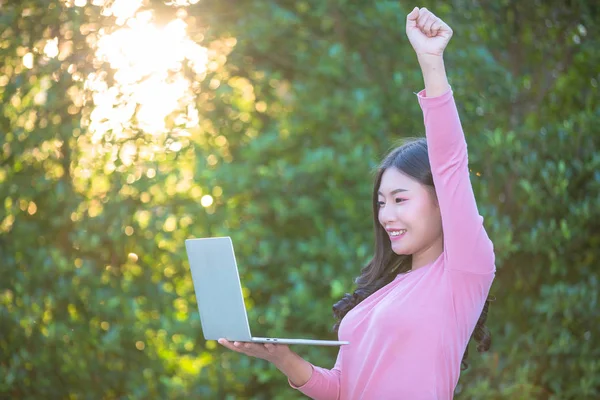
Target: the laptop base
pixel 300 341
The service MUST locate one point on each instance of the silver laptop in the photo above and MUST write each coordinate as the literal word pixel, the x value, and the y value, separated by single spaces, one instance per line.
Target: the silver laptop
pixel 219 294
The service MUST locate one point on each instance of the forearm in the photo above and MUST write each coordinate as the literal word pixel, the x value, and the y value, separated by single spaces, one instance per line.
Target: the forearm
pixel 434 74
pixel 297 369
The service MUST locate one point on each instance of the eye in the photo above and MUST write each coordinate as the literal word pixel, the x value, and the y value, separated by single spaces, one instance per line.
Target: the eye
pixel 400 200
pixel 380 204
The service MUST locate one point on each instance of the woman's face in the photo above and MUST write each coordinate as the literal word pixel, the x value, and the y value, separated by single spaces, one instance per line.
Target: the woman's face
pixel 409 213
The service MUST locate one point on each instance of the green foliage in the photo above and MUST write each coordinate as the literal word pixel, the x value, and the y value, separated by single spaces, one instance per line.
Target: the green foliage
pixel 96 298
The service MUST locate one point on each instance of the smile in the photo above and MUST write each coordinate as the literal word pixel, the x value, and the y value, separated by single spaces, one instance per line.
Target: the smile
pixel 395 235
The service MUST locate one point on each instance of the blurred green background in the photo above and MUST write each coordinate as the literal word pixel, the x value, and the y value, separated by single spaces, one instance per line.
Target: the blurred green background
pixel 129 126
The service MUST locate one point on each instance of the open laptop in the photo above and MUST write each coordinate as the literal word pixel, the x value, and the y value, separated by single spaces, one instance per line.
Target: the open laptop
pixel 219 294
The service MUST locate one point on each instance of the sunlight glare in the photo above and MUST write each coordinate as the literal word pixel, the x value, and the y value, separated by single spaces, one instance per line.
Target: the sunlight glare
pixel 148 80
pixel 207 200
pixel 28 60
pixel 181 3
pixel 123 9
pixel 51 47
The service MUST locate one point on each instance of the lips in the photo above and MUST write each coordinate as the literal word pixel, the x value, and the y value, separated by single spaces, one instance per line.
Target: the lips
pixel 396 234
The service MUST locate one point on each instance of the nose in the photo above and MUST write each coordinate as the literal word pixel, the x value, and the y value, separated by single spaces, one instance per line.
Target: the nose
pixel 386 215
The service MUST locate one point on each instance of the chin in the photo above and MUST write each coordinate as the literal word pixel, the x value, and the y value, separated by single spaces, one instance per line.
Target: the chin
pixel 400 252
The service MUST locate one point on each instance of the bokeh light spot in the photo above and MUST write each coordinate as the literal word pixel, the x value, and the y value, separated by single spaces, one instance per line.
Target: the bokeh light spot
pixel 206 200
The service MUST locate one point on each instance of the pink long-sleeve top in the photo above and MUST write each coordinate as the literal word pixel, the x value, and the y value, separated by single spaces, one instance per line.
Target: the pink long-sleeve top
pixel 407 339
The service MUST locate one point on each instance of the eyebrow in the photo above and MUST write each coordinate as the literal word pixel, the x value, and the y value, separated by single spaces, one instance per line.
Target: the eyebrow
pixel 394 191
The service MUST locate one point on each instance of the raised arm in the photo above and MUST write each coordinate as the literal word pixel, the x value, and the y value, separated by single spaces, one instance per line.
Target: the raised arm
pixel 466 244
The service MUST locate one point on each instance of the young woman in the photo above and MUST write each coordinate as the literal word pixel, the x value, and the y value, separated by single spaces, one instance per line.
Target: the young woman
pixel 424 292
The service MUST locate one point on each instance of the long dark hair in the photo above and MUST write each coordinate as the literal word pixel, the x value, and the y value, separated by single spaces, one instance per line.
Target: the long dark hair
pixel 412 159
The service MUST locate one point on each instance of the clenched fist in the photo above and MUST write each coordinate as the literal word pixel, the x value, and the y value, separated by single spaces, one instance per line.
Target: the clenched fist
pixel 428 34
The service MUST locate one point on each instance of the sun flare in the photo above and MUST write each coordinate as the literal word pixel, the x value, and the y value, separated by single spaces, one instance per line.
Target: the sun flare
pixel 148 81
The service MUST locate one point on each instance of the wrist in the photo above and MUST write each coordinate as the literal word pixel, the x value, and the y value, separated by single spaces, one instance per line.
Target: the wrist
pixel 434 74
pixel 298 370
pixel 427 60
pixel 283 363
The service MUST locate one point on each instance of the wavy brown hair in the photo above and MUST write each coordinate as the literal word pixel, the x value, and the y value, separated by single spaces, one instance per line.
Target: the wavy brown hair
pixel 410 158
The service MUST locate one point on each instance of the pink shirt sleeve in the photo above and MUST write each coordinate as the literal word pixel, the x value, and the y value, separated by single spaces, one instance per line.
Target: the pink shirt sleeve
pixel 467 247
pixel 324 384
pixel 468 251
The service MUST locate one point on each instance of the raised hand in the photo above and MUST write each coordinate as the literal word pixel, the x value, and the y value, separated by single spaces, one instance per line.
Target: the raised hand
pixel 428 34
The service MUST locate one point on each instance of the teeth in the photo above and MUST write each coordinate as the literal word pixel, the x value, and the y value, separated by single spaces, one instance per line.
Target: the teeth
pixel 397 233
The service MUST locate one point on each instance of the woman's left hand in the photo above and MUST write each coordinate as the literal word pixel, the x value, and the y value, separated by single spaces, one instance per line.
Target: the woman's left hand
pixel 428 34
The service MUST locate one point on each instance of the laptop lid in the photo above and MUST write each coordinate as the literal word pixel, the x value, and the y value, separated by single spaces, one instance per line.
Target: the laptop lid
pixel 218 289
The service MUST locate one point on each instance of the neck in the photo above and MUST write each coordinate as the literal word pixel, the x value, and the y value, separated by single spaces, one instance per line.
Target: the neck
pixel 428 255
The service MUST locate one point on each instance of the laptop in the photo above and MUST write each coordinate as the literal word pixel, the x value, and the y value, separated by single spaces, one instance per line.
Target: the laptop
pixel 219 294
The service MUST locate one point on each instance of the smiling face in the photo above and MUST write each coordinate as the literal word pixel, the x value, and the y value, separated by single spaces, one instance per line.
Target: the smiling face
pixel 409 213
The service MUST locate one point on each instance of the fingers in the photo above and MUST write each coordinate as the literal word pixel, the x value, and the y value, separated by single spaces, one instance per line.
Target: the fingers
pixel 427 26
pixel 270 347
pixel 425 21
pixel 435 27
pixel 428 22
pixel 235 346
pixel 249 349
pixel 411 19
pixel 229 345
pixel 413 15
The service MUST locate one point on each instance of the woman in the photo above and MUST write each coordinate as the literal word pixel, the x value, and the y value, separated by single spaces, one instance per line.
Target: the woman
pixel 424 293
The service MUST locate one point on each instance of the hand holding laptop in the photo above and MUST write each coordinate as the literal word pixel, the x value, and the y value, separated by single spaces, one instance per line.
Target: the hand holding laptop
pixel 275 353
pixel 297 369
